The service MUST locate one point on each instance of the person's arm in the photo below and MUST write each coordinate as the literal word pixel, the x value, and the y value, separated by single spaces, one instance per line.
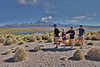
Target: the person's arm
pixel 65 33
pixel 76 29
pixel 55 32
pixel 68 32
pixel 73 32
pixel 84 32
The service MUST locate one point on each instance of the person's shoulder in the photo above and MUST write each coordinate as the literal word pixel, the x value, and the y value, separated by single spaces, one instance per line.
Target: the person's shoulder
pixel 73 30
pixel 56 28
pixel 78 28
pixel 83 29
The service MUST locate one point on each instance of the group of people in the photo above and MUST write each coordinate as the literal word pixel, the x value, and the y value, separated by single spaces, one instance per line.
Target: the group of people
pixel 71 32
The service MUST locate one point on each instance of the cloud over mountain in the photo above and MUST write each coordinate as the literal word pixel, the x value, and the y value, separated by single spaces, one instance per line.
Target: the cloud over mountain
pixel 44 19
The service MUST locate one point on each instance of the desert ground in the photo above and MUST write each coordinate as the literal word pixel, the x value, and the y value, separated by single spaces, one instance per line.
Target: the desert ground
pixel 46 55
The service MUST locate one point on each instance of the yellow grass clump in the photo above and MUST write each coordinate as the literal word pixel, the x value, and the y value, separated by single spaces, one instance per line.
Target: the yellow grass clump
pixel 2 39
pixel 33 38
pixel 78 44
pixel 9 41
pixel 45 37
pixel 94 53
pixel 8 51
pixel 50 39
pixel 90 43
pixel 37 48
pixel 39 37
pixel 21 42
pixel 17 49
pixel 87 38
pixel 78 55
pixel 94 37
pixel 20 55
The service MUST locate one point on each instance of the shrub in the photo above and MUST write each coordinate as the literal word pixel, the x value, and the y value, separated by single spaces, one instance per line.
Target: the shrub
pixel 37 48
pixel 14 40
pixel 92 33
pixel 50 39
pixel 32 39
pixel 20 55
pixel 17 38
pixel 39 37
pixel 9 36
pixel 45 37
pixel 63 58
pixel 41 46
pixel 45 32
pixel 94 37
pixel 25 38
pixel 41 40
pixel 9 41
pixel 12 37
pixel 88 38
pixel 21 42
pixel 90 43
pixel 94 53
pixel 78 44
pixel 17 49
pixel 78 55
pixel 99 31
pixel 28 37
pixel 13 47
pixel 2 39
pixel 8 51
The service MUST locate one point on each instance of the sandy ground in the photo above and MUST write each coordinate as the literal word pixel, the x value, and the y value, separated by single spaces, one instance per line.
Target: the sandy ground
pixel 48 56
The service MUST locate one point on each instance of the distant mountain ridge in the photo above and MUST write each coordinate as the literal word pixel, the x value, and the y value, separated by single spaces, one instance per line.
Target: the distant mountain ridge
pixel 41 23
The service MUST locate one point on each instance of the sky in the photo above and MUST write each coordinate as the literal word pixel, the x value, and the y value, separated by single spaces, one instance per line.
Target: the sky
pixel 86 12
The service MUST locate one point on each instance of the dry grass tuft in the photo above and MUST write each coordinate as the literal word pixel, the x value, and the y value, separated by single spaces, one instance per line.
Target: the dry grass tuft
pixel 8 52
pixel 94 53
pixel 90 43
pixel 20 55
pixel 37 48
pixel 78 44
pixel 2 39
pixel 78 55
pixel 50 39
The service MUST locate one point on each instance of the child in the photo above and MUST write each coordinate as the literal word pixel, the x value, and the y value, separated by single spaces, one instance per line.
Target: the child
pixel 56 35
pixel 64 37
pixel 81 33
pixel 72 33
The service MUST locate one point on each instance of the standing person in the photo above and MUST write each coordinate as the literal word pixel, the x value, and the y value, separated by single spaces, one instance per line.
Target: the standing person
pixel 56 35
pixel 72 33
pixel 63 37
pixel 81 33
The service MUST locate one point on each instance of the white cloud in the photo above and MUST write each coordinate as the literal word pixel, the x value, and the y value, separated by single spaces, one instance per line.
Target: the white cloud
pixel 72 21
pixel 32 2
pixel 50 11
pixel 44 4
pixel 90 18
pixel 87 14
pixel 50 17
pixel 22 1
pixel 94 14
pixel 79 17
pixel 44 19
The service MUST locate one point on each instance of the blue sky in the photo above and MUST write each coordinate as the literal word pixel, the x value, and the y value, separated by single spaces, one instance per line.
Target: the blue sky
pixel 86 12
